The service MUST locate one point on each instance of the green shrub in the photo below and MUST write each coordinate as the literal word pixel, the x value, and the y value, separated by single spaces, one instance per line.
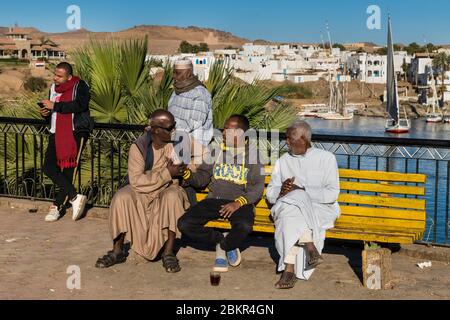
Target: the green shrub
pixel 294 91
pixel 35 84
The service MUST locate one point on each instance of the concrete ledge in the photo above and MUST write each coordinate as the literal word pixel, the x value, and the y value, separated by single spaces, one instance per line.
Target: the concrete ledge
pixel 43 206
pixel 426 252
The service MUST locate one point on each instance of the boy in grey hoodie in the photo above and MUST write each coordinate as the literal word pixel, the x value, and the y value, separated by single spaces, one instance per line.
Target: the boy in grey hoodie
pixel 235 184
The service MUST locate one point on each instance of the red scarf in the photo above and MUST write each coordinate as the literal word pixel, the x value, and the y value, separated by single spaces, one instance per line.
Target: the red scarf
pixel 66 145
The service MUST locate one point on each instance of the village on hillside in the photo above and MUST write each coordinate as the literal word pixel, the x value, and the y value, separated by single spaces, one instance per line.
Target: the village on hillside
pixel 360 67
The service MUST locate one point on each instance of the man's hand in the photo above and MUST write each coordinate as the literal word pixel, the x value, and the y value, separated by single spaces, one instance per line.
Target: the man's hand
pixel 229 209
pixel 289 186
pixel 176 170
pixel 48 104
pixel 44 112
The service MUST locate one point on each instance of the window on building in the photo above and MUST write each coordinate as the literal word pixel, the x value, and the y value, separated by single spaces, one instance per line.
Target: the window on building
pixel 369 73
pixel 376 74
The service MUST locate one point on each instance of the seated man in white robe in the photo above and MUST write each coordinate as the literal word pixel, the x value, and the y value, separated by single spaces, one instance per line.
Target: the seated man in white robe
pixel 304 189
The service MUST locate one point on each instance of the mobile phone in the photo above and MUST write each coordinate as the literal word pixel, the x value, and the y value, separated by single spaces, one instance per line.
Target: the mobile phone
pixel 41 105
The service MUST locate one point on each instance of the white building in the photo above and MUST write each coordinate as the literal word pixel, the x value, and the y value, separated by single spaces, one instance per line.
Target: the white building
pixel 286 62
pixel 420 69
pixel 300 78
pixel 372 68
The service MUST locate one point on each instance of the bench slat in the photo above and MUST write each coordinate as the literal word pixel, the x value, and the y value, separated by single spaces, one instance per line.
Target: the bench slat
pixel 373 175
pixel 368 223
pixel 382 176
pixel 368 212
pixel 403 203
pixel 341 233
pixel 382 188
pixel 383 213
pixel 371 236
pixel 361 199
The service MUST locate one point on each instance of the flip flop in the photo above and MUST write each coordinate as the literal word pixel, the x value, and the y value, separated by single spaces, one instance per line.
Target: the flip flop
pixel 314 263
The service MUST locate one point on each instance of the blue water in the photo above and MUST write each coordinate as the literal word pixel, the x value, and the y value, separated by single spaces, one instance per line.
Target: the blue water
pixel 436 189
pixel 374 127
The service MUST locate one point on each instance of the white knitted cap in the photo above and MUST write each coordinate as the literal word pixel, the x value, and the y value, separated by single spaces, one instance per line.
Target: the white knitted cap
pixel 183 64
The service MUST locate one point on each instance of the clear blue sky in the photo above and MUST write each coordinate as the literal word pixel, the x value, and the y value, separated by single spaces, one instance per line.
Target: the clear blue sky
pixel 275 20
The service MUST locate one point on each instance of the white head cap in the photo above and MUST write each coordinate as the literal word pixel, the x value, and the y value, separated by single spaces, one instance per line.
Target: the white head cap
pixel 183 64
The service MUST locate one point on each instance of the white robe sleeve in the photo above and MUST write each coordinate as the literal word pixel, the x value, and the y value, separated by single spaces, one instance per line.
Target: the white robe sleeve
pixel 328 191
pixel 274 187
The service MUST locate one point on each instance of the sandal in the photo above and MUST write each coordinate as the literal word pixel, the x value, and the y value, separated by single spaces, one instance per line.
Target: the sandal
pixel 313 262
pixel 171 263
pixel 110 259
pixel 287 281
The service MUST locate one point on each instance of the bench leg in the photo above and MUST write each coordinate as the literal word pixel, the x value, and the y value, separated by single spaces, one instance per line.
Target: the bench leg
pixel 376 267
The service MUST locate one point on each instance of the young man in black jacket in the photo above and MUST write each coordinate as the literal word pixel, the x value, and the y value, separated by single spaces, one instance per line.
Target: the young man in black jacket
pixel 236 183
pixel 67 111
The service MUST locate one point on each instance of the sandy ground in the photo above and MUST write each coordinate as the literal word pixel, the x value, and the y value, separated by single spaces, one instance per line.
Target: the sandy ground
pixel 34 257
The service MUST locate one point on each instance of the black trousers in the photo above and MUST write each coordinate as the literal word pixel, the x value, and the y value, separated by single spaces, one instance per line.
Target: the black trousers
pixel 192 224
pixel 64 179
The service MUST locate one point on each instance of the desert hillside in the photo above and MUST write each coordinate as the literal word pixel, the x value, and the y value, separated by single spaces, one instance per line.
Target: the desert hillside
pixel 162 39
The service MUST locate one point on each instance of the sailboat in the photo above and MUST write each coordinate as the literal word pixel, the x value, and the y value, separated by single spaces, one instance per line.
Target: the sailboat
pixel 435 115
pixel 395 124
pixel 338 109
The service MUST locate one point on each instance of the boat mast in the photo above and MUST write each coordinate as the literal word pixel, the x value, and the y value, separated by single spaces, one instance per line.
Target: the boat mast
pixel 392 103
pixel 334 90
pixel 433 83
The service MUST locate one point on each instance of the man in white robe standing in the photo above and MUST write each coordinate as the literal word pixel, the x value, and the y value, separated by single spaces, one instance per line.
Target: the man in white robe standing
pixel 304 189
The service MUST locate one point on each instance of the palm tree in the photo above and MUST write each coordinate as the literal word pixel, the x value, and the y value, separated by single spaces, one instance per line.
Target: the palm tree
pixel 27 145
pixel 44 40
pixel 117 74
pixel 442 63
pixel 230 96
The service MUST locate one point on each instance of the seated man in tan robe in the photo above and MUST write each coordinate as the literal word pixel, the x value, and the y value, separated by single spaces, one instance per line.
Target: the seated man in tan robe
pixel 145 213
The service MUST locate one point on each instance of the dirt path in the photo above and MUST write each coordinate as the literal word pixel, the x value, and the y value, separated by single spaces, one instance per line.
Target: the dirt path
pixel 34 257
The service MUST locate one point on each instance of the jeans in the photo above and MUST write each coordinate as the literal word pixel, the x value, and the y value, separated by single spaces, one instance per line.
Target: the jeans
pixel 192 224
pixel 64 179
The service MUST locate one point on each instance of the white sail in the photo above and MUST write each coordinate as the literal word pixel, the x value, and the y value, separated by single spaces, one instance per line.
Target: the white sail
pixel 392 91
pixel 395 123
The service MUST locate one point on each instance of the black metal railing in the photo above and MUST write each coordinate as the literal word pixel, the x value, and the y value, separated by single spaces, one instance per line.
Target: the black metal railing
pixel 104 163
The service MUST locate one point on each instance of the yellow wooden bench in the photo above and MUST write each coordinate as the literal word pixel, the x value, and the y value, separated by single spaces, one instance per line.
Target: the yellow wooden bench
pixel 376 207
